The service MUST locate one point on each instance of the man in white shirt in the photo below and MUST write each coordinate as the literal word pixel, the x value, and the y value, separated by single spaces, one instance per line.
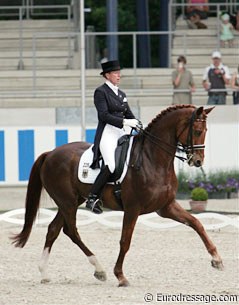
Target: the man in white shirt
pixel 215 78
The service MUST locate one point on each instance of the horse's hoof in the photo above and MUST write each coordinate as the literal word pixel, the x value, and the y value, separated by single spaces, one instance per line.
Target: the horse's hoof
pixel 44 281
pixel 123 283
pixel 100 275
pixel 217 264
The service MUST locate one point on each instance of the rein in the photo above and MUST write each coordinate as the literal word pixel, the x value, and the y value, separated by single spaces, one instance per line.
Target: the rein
pixel 156 140
pixel 188 148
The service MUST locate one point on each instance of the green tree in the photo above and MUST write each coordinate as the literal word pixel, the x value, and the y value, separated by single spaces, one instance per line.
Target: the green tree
pixel 126 22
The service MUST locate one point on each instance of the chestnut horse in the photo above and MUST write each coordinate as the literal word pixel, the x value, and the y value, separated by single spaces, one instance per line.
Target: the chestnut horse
pixel 150 185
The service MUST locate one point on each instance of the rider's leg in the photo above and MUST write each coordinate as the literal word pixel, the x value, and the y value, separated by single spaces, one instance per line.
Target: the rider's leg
pixel 92 202
pixel 108 143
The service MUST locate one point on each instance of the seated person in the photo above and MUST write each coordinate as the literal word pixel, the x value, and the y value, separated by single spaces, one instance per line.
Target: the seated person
pixel 195 13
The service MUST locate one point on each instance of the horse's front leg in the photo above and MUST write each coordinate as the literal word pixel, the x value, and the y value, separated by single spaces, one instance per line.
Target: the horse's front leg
pixel 129 222
pixel 176 212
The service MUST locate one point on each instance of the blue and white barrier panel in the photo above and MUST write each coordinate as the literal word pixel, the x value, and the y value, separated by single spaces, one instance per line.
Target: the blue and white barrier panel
pixel 20 147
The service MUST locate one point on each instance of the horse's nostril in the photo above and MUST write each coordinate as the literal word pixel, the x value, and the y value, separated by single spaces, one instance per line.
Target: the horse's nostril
pixel 198 163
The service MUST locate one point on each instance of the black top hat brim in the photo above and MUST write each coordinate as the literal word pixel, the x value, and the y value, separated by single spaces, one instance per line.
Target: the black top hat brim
pixel 110 70
pixel 110 66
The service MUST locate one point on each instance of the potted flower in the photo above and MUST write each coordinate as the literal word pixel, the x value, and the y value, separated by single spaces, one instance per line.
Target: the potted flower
pixel 198 200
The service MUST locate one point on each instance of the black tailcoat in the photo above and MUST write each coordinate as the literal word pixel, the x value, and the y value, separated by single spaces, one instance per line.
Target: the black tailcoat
pixel 111 109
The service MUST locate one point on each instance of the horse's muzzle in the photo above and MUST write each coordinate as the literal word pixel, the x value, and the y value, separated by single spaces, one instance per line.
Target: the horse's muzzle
pixel 195 160
pixel 198 163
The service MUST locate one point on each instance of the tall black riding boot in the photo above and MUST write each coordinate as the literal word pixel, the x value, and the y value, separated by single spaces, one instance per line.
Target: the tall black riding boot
pixel 92 202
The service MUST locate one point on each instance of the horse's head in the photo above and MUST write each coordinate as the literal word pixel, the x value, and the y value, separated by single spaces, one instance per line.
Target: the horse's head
pixel 191 134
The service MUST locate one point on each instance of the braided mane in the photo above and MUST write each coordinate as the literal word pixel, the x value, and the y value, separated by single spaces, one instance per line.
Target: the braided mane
pixel 165 112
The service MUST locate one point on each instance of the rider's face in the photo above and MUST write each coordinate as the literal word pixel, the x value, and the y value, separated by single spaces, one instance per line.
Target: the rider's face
pixel 113 77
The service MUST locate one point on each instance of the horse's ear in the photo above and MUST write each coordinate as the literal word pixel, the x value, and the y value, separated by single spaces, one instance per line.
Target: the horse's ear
pixel 199 111
pixel 209 109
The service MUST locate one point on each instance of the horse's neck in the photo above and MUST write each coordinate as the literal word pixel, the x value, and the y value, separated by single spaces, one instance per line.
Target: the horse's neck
pixel 157 149
pixel 163 146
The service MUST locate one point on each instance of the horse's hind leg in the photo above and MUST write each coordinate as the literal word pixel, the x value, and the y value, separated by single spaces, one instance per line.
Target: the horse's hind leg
pixel 54 229
pixel 71 231
pixel 176 212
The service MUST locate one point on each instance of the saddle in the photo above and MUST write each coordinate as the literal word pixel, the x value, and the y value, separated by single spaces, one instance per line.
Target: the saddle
pixel 122 155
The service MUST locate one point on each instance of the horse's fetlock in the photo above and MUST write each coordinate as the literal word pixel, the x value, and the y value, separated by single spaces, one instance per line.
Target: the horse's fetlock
pixel 118 272
pixel 213 251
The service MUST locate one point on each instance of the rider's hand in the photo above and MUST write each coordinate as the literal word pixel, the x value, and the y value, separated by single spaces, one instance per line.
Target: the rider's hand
pixel 133 123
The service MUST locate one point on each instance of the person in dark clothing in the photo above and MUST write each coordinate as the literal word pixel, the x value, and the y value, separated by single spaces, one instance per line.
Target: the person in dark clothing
pixel 216 77
pixel 114 114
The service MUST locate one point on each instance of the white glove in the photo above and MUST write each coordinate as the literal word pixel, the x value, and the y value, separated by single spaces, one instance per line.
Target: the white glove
pixel 133 123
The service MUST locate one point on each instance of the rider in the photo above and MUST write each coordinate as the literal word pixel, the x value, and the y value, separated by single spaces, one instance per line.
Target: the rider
pixel 114 114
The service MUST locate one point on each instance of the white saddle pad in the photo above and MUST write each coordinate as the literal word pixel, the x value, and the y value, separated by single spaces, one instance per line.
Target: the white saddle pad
pixel 88 175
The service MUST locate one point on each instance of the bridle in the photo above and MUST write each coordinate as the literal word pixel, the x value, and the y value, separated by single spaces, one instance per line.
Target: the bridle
pixel 187 148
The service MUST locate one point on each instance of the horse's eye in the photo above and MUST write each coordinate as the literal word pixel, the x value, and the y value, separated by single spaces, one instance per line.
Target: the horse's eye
pixel 197 133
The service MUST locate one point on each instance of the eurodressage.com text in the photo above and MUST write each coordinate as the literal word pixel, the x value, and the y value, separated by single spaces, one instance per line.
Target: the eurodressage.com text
pixel 205 298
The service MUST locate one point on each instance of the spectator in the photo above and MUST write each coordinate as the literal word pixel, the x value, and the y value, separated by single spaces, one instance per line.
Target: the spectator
pixel 216 76
pixel 195 13
pixel 226 31
pixel 183 80
pixel 235 86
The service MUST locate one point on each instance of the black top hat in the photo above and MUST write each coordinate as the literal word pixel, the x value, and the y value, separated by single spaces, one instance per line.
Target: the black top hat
pixel 112 65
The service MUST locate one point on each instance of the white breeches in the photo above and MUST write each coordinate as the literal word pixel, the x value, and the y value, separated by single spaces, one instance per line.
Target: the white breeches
pixel 108 144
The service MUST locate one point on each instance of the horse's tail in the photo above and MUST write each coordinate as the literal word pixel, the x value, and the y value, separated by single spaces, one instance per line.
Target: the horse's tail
pixel 32 202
